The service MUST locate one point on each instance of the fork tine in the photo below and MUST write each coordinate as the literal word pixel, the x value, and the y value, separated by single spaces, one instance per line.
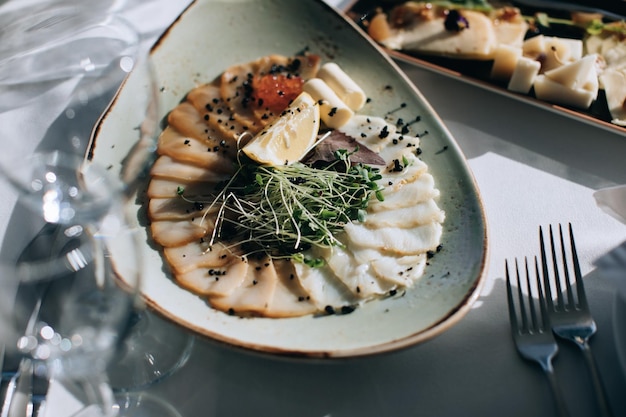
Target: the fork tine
pixel 509 297
pixel 542 305
pixel 580 286
pixel 522 304
pixel 546 273
pixel 557 276
pixel 571 303
pixel 536 326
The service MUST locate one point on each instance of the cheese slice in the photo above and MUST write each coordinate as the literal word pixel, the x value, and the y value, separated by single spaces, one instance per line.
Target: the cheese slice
pixel 430 36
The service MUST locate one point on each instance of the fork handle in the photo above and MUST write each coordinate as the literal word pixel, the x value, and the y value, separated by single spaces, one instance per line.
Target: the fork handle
pixel 559 400
pixel 596 381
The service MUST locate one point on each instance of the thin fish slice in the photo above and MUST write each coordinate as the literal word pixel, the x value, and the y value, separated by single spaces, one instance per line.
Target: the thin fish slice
pixel 290 298
pixel 324 288
pixel 199 255
pixel 211 284
pixel 168 233
pixel 406 217
pixel 193 151
pixel 255 293
pixel 177 209
pixel 195 190
pixel 396 240
pixel 166 167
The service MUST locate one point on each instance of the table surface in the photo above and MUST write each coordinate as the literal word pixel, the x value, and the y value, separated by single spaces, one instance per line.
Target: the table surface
pixel 532 168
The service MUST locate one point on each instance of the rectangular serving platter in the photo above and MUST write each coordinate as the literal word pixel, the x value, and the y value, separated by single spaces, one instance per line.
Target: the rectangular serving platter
pixel 476 73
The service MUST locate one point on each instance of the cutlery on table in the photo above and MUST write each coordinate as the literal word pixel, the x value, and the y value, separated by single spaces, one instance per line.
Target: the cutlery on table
pixel 530 328
pixel 569 312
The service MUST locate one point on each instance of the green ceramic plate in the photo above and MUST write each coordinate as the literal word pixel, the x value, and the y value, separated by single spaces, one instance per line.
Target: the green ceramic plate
pixel 212 35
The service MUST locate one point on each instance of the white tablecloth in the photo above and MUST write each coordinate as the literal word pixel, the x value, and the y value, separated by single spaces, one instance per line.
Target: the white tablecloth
pixel 533 168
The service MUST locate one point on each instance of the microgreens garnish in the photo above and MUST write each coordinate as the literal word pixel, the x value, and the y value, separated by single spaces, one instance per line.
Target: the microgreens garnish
pixel 284 210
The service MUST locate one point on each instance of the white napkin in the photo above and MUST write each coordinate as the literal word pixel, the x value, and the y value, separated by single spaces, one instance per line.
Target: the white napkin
pixel 613 201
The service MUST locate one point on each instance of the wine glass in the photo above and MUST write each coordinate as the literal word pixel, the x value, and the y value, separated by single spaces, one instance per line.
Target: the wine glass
pixel 51 43
pixel 38 169
pixel 76 280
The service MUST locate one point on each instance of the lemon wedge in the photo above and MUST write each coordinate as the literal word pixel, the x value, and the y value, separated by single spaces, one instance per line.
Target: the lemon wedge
pixel 290 137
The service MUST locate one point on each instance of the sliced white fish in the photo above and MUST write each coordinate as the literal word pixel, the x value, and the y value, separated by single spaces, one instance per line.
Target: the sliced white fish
pixel 400 270
pixel 177 209
pixel 193 190
pixel 254 294
pixel 398 194
pixel 202 281
pixel 400 145
pixel 395 240
pixel 170 233
pixel 357 274
pixel 290 298
pixel 324 288
pixel 166 167
pixel 186 119
pixel 194 151
pixel 372 131
pixel 406 217
pixel 200 255
pixel 209 107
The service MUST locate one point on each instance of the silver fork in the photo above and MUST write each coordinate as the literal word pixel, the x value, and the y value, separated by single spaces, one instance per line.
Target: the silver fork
pixel 569 313
pixel 531 331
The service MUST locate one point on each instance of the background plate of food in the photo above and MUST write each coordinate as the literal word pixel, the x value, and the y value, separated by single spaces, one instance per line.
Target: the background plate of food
pixel 569 58
pixel 262 102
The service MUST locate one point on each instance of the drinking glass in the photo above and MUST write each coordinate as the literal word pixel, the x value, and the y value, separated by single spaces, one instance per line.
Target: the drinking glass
pixel 85 58
pixel 76 281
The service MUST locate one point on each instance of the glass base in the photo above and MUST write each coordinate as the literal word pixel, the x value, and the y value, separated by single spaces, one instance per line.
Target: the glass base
pixel 153 350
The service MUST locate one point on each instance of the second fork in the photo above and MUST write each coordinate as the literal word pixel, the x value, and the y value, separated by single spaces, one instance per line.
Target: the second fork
pixel 569 312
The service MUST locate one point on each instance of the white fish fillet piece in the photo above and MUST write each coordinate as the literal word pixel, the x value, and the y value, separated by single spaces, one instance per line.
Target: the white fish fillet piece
pixel 166 167
pixel 395 240
pixel 367 130
pixel 193 151
pixel 406 217
pixel 357 274
pixel 200 281
pixel 324 288
pixel 401 270
pixel 403 166
pixel 209 107
pixel 168 233
pixel 159 188
pixel 405 194
pixel 198 254
pixel 177 209
pixel 290 298
pixel 255 292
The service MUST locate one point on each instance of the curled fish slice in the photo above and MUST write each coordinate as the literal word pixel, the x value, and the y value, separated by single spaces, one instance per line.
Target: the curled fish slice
pixel 176 209
pixel 254 294
pixel 324 288
pixel 168 233
pixel 212 283
pixel 166 167
pixel 406 217
pixel 396 240
pixel 400 270
pixel 159 188
pixel 401 194
pixel 372 131
pixel 216 114
pixel 194 151
pixel 199 255
pixel 290 298
pixel 193 123
pixel 357 274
